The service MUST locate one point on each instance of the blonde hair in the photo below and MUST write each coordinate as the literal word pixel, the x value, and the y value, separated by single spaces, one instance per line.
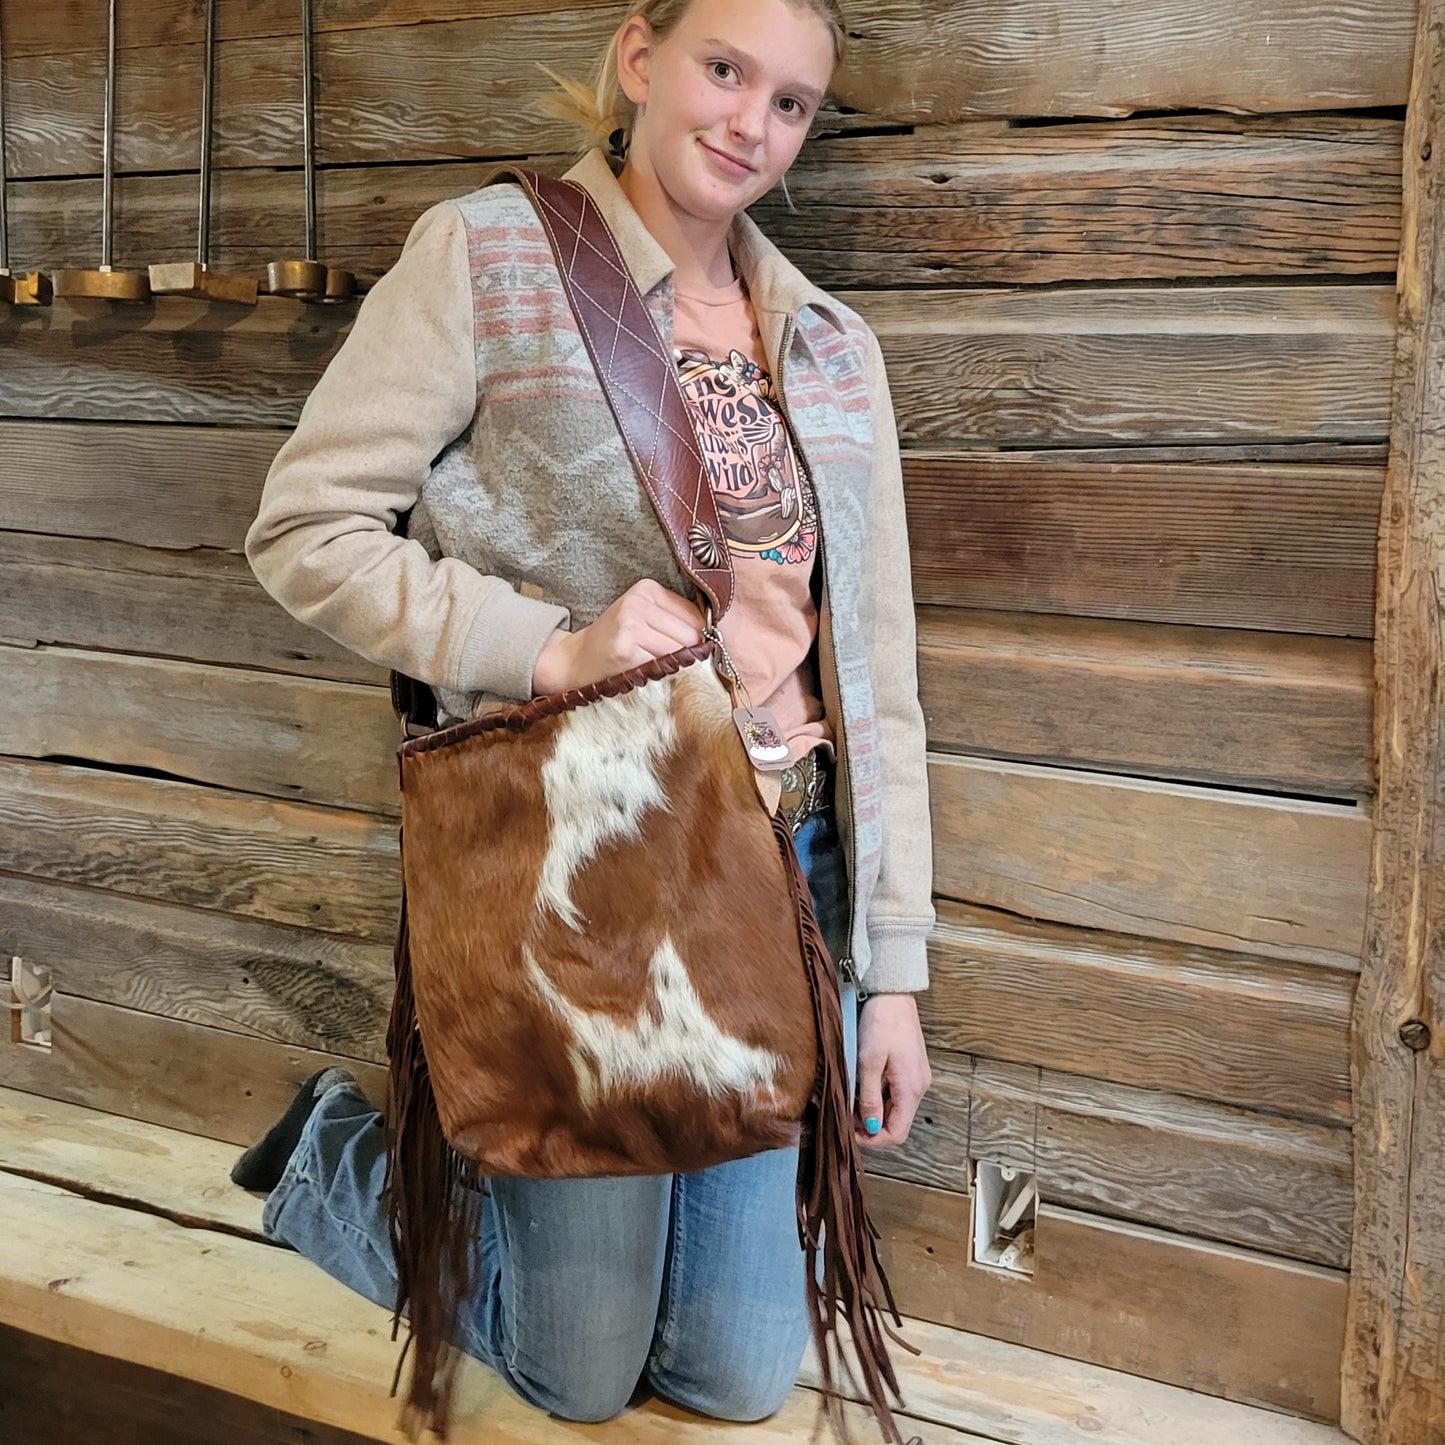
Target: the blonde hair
pixel 603 112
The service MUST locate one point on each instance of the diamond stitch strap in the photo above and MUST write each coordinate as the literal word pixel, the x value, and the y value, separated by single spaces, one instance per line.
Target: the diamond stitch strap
pixel 638 376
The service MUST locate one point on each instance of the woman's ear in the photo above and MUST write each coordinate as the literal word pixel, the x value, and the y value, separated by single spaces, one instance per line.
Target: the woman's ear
pixel 634 58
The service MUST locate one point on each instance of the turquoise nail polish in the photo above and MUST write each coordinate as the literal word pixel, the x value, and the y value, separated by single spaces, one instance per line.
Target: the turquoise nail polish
pixel 872 1125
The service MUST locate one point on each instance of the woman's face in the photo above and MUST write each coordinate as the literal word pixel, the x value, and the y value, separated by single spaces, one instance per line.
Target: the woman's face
pixel 725 100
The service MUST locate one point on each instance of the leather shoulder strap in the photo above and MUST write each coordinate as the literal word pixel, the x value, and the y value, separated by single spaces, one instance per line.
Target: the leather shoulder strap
pixel 638 376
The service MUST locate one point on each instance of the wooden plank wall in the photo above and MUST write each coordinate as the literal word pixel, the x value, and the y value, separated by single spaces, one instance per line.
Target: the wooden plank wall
pixel 1133 275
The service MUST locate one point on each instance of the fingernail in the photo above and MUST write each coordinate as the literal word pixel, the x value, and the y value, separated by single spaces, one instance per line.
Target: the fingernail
pixel 872 1125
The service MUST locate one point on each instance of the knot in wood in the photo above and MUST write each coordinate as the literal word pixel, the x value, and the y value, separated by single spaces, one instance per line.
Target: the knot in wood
pixel 1415 1034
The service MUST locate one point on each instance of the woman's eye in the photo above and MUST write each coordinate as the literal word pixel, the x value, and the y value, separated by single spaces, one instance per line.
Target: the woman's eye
pixel 798 107
pixel 721 69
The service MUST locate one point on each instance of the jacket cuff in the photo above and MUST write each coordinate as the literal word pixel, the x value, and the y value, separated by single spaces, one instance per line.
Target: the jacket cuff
pixel 506 638
pixel 899 960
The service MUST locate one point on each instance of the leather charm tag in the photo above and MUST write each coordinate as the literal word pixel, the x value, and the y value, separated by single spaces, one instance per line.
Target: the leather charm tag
pixel 763 739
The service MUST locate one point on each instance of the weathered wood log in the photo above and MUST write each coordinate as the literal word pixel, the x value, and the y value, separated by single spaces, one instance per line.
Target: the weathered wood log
pixel 175 360
pixel 1248 1031
pixel 235 853
pixel 207 1081
pixel 1083 367
pixel 1254 1032
pixel 238 976
pixel 1225 197
pixel 1394 1372
pixel 1244 872
pixel 962 1379
pixel 1261 710
pixel 287 737
pixel 1276 542
pixel 1289 548
pixel 1177 364
pixel 265 1323
pixel 202 605
pixel 908 64
pixel 921 63
pixel 1202 1169
pixel 1218 1319
pixel 173 22
pixel 157 486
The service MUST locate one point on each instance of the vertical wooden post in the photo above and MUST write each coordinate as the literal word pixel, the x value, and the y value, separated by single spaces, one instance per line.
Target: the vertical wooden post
pixel 1394 1363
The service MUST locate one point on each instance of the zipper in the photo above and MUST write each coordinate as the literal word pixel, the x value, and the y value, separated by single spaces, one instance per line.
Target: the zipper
pixel 845 964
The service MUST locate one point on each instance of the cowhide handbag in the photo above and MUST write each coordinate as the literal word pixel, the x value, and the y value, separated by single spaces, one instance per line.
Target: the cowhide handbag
pixel 607 961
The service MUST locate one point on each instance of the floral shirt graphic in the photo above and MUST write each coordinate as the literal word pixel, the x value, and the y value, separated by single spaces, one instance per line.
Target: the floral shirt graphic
pixel 765 505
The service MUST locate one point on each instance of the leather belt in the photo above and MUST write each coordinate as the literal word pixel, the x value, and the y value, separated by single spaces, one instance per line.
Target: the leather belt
pixel 807 787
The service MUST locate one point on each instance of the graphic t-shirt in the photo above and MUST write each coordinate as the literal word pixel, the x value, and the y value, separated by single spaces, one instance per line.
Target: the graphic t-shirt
pixel 765 504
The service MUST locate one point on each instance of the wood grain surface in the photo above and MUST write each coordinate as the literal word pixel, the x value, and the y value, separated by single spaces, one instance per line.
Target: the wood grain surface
pixel 1245 872
pixel 1394 1370
pixel 174 487
pixel 125 1404
pixel 273 983
pixel 287 737
pixel 1211 1317
pixel 1194 196
pixel 203 604
pixel 1253 1032
pixel 171 360
pixel 1201 1169
pixel 187 1076
pixel 459 80
pixel 231 852
pixel 1082 367
pixel 1015 1394
pixel 1277 545
pixel 1261 710
pixel 279 1331
pixel 1173 365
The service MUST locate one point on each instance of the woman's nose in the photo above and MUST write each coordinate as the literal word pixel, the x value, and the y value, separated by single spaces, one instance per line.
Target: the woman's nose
pixel 749 119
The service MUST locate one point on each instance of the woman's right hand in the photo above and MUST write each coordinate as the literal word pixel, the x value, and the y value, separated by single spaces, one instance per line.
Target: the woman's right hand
pixel 647 621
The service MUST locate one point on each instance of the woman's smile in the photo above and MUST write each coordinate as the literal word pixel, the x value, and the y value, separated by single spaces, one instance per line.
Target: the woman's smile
pixel 727 163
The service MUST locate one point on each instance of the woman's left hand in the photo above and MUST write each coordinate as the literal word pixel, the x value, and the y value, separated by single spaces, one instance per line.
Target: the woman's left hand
pixel 893 1072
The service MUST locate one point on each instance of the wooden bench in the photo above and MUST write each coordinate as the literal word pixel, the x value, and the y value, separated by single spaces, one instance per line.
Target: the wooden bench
pixel 139 1302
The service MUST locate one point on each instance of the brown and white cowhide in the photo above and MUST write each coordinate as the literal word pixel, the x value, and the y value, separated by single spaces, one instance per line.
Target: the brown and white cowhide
pixel 604 939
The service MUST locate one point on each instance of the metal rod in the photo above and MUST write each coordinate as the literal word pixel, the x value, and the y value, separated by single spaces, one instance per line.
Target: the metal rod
pixel 203 229
pixel 33 288
pixel 307 127
pixel 4 175
pixel 108 141
pixel 309 280
pixel 106 283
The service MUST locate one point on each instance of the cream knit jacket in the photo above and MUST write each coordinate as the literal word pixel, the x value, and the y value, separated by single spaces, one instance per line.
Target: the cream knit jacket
pixel 464 395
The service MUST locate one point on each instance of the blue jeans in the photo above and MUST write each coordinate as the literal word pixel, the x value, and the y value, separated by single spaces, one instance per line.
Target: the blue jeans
pixel 692 1284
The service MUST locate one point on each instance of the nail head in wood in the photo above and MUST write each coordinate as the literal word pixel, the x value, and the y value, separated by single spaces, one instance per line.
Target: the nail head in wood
pixel 1415 1034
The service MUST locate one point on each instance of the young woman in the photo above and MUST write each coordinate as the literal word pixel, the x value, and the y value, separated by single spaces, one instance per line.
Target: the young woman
pixel 533 563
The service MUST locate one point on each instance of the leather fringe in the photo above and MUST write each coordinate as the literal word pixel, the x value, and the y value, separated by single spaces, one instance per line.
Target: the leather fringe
pixel 434 1214
pixel 830 1199
pixel 435 1202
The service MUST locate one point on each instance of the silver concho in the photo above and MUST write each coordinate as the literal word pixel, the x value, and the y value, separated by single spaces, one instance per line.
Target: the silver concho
pixel 705 544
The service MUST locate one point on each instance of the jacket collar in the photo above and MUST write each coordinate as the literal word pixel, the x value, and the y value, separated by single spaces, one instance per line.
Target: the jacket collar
pixel 773 282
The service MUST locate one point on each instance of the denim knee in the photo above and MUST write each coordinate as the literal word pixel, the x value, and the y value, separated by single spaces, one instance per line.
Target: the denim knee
pixel 582 1400
pixel 730 1387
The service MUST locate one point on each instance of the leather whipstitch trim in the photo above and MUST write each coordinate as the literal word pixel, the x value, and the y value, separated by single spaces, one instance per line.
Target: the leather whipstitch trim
pixel 516 719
